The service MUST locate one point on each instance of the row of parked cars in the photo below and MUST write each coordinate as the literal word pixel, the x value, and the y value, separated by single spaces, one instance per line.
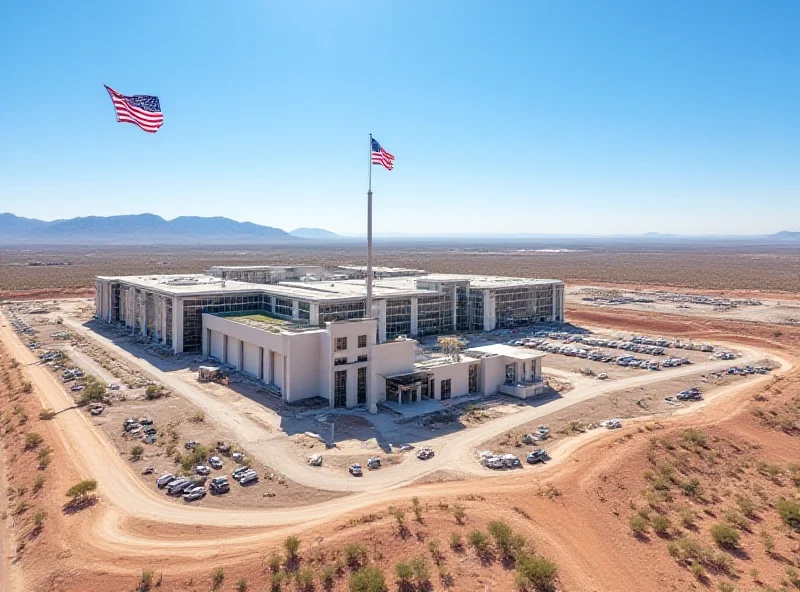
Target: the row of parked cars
pixel 735 370
pixel 490 460
pixel 141 428
pixel 21 326
pixel 192 489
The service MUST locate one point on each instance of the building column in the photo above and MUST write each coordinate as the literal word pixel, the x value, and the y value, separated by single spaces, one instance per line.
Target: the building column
pixel 414 317
pixel 381 304
pixel 295 309
pixel 177 325
pixel 225 348
pixel 240 365
pixel 489 319
pixel 207 343
pixel 261 364
pixel 313 317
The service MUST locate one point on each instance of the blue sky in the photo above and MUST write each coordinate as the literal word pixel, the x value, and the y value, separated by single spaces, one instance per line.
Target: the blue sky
pixel 530 116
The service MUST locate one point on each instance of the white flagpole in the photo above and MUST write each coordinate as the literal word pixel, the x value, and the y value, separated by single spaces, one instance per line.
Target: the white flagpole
pixel 368 312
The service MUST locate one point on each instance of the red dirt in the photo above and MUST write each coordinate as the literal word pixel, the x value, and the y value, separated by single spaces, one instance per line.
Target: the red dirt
pixel 47 294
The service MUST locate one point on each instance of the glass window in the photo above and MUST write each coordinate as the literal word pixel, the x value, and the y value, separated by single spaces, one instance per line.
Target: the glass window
pixel 445 392
pixel 340 388
pixel 362 341
pixel 341 343
pixel 362 386
pixel 339 361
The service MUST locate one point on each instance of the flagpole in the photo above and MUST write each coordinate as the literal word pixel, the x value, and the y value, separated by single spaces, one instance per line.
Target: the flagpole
pixel 369 236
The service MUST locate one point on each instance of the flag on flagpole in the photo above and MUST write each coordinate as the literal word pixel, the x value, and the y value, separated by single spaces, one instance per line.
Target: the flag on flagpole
pixel 381 157
pixel 141 110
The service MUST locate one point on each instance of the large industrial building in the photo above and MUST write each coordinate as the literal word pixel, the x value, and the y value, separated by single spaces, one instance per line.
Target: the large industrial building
pixel 304 331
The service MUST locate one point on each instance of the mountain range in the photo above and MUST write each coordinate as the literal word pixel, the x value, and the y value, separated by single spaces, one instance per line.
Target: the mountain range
pixel 142 229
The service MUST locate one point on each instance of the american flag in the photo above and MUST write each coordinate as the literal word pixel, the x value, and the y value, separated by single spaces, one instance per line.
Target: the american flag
pixel 380 156
pixel 142 110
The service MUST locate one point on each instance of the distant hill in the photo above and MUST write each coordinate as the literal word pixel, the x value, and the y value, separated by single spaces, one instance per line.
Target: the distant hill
pixel 136 230
pixel 315 233
pixel 786 235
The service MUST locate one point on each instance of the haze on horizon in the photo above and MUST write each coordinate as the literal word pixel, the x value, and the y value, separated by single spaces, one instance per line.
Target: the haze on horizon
pixel 526 117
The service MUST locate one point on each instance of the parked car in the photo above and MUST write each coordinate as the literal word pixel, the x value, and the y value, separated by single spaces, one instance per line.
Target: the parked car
pixel 425 453
pixel 202 470
pixel 355 470
pixel 249 476
pixel 315 460
pixel 113 386
pixel 536 456
pixel 215 462
pixel 149 439
pixel 77 387
pixel 510 461
pixel 239 472
pixel 219 485
pixel 165 480
pixel 190 445
pixel 194 494
pixel 374 463
pixel 148 471
pixel 178 485
pixel 612 424
pixel 146 421
pixel 96 409
pixel 237 457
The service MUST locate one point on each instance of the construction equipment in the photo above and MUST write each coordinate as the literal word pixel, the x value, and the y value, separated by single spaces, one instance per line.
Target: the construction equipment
pixel 212 374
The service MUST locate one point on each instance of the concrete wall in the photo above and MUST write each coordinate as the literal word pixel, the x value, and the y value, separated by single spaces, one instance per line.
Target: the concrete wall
pixel 393 357
pixel 216 346
pixel 458 373
pixel 250 362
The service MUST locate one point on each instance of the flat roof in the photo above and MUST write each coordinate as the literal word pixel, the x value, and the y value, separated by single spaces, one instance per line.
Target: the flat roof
pixel 319 290
pixel 510 351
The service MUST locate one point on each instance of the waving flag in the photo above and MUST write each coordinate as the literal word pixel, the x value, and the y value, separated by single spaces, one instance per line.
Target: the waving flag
pixel 141 110
pixel 380 156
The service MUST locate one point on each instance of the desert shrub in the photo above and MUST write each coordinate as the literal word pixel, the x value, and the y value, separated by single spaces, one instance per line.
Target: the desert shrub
pixel 459 513
pixel 536 573
pixel 660 525
pixel 43 458
pixel 38 519
pixel 137 451
pixel 198 417
pixel 789 511
pixel 274 562
pixel 305 580
pixel 27 387
pixel 478 541
pixel 419 569
pixel 355 555
pixel 292 545
pixel 747 506
pixel 146 583
pixel 154 391
pixel 638 525
pixel 32 441
pixel 697 570
pixel 403 572
pixel 456 541
pixel 435 551
pixel 47 414
pixel 693 436
pixel 241 585
pixel 725 536
pixel 328 576
pixel 38 483
pixel 94 390
pixel 194 457
pixel 82 489
pixel 692 487
pixel 368 579
pixel 216 577
pixel 276 581
pixel 505 540
pixel 417 508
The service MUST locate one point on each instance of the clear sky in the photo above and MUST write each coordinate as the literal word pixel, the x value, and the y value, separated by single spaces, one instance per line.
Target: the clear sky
pixel 558 116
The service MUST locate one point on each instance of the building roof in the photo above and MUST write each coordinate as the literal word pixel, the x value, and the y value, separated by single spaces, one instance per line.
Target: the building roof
pixel 320 290
pixel 510 351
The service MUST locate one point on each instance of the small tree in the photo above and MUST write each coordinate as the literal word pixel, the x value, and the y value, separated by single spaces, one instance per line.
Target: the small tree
pixel 82 489
pixel 368 579
pixel 47 414
pixel 137 451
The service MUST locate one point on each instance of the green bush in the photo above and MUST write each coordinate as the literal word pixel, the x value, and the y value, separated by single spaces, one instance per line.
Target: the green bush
pixel 638 525
pixel 420 571
pixel 536 573
pixel 292 545
pixel 403 572
pixel 355 555
pixel 305 580
pixel 459 513
pixel 94 390
pixel 368 579
pixel 274 562
pixel 137 451
pixel 660 525
pixel 241 585
pixel 456 541
pixel 47 414
pixel 478 541
pixel 789 511
pixel 725 536
pixel 32 441
pixel 154 391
